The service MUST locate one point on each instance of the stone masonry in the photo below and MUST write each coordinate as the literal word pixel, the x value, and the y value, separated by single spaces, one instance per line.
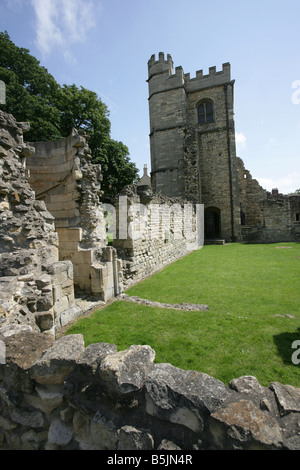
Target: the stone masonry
pixel 64 396
pixel 63 177
pixel 58 394
pixel 193 155
pixel 54 224
pixel 160 231
pixel 36 289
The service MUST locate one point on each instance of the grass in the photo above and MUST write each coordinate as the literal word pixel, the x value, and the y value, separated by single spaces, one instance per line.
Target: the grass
pixel 249 290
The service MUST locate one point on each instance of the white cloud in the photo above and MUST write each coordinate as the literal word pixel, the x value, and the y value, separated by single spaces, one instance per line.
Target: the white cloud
pixel 63 23
pixel 240 140
pixel 285 185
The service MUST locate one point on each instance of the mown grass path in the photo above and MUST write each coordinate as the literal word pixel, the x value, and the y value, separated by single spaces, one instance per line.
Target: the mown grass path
pixel 253 294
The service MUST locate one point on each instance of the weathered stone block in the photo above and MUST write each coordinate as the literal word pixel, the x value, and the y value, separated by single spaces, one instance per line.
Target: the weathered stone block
pixel 45 320
pixel 72 234
pixel 287 396
pixel 126 371
pixel 32 440
pixel 35 419
pixel 169 398
pixel 60 433
pixel 130 438
pixel 90 360
pixel 58 361
pixel 47 398
pixel 104 433
pixel 242 425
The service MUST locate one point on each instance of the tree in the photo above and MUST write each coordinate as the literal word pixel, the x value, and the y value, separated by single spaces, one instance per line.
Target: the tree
pixel 33 95
pixel 117 166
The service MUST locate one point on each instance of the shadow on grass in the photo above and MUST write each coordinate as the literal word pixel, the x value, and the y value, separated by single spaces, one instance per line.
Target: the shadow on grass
pixel 284 342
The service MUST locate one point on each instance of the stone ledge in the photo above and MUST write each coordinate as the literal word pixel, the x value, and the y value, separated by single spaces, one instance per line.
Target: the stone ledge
pixel 69 396
pixel 151 303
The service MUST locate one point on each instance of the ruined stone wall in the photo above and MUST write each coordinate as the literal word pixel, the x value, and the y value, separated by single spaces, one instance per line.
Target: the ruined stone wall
pixel 266 217
pixel 294 202
pixel 27 232
pixel 36 289
pixel 62 175
pixel 59 394
pixel 64 396
pixel 278 221
pixel 159 231
pixel 251 194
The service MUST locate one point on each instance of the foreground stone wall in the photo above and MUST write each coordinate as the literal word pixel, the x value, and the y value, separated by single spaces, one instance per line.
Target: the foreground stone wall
pixel 63 395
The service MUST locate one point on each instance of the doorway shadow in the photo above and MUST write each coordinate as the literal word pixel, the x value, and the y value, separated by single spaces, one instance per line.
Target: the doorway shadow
pixel 284 342
pixel 212 223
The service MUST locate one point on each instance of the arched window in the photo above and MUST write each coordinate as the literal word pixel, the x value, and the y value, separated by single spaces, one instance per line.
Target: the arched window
pixel 205 112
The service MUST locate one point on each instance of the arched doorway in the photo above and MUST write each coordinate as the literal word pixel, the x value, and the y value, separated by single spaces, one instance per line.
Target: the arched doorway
pixel 212 223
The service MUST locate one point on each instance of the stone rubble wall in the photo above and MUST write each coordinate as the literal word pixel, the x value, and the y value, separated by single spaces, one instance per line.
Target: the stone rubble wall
pixel 61 395
pixel 63 176
pixel 267 217
pixel 36 289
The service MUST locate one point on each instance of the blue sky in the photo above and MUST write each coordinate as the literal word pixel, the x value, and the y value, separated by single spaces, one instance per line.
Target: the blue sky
pixel 104 45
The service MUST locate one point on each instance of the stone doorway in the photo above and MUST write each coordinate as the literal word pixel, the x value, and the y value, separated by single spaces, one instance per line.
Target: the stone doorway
pixel 212 223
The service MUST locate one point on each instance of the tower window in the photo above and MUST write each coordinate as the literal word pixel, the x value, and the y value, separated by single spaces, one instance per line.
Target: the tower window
pixel 297 217
pixel 205 112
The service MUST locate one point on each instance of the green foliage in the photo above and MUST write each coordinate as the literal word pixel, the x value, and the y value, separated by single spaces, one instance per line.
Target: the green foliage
pixel 116 165
pixel 249 290
pixel 33 95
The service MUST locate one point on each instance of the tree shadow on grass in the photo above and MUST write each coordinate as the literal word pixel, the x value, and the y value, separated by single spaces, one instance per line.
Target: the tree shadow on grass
pixel 284 342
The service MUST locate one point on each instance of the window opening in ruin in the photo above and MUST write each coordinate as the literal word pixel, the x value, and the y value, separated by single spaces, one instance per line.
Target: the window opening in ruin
pixel 205 112
pixel 297 217
pixel 243 218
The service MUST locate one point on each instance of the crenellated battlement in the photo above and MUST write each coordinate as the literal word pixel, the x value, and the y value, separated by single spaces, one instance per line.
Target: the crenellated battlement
pixel 213 78
pixel 161 59
pixel 161 76
pixel 212 71
pixel 161 66
pixel 163 69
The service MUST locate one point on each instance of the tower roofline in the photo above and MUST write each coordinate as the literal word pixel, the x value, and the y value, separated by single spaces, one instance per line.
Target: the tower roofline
pixel 213 78
pixel 161 59
pixel 164 66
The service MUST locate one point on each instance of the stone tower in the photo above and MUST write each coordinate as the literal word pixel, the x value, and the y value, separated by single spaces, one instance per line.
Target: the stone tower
pixel 192 142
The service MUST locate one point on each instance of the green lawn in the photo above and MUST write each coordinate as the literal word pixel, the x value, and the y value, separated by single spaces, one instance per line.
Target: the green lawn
pixel 245 287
